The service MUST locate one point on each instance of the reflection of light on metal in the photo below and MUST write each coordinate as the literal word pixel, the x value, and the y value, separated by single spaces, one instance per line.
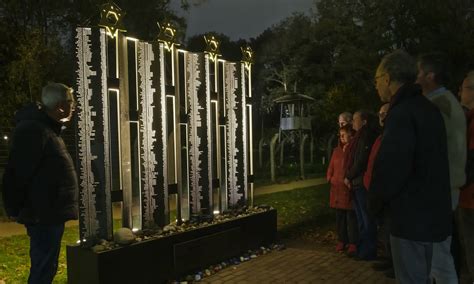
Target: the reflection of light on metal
pixel 216 212
pixel 135 230
pixel 212 47
pixel 131 38
pixel 167 35
pixel 78 241
pixel 83 240
pixel 111 19
pixel 247 56
pixel 5 137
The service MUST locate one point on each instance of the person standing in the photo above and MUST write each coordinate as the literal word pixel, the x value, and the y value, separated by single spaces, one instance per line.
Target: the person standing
pixel 40 185
pixel 356 164
pixel 465 212
pixel 411 170
pixel 432 76
pixel 343 119
pixel 340 196
pixel 385 264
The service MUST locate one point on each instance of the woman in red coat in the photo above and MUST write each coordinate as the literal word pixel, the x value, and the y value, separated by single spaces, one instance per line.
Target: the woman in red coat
pixel 340 197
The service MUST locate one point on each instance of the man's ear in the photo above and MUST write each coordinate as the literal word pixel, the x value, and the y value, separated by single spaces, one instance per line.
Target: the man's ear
pixel 431 76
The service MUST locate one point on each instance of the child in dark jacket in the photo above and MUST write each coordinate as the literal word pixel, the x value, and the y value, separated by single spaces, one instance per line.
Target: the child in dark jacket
pixel 340 197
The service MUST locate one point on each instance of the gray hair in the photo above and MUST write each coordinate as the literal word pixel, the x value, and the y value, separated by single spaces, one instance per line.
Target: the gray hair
pixel 53 94
pixel 400 66
pixel 347 116
pixel 470 76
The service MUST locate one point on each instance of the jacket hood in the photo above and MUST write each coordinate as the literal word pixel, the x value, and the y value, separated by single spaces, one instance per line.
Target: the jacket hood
pixel 35 111
pixel 32 111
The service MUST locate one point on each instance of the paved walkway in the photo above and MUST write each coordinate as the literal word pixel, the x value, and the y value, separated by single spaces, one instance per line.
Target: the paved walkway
pixel 289 186
pixel 11 228
pixel 300 264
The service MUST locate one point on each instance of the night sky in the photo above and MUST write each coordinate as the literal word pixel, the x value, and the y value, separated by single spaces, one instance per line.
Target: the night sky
pixel 239 18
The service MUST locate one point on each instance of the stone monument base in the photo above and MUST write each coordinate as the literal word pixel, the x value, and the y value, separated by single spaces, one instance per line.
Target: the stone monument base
pixel 166 258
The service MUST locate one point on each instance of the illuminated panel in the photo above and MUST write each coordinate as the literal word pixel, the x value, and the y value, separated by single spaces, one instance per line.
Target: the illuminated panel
pixel 95 220
pixel 148 138
pixel 199 132
pixel 242 132
pixel 235 136
pixel 248 77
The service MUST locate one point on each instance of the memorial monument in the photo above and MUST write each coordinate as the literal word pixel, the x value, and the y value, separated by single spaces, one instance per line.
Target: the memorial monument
pixel 160 127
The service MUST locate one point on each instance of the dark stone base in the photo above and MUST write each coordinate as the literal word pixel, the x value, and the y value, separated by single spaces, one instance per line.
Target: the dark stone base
pixel 159 260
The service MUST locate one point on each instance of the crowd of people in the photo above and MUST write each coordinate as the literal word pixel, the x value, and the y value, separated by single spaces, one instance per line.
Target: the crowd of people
pixel 408 182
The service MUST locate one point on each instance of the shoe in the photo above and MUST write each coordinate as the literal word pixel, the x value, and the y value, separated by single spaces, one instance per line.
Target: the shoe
pixel 340 247
pixel 351 250
pixel 390 273
pixel 382 265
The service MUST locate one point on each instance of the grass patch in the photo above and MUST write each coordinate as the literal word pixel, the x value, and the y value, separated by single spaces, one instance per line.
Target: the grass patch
pixel 299 211
pixel 14 257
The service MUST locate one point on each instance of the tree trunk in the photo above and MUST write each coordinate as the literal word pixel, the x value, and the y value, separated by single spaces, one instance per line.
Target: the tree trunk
pixel 260 153
pixel 303 140
pixel 272 156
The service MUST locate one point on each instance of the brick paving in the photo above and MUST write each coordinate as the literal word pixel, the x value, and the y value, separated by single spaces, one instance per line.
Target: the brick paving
pixel 300 264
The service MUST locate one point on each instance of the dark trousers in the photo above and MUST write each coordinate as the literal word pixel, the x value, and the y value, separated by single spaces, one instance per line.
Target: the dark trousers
pixel 367 247
pixel 45 244
pixel 384 234
pixel 346 225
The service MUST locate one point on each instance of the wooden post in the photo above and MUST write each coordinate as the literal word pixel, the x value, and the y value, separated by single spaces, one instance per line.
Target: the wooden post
pixel 272 156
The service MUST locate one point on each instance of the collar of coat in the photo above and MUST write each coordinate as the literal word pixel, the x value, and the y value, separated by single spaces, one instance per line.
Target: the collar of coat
pixel 406 91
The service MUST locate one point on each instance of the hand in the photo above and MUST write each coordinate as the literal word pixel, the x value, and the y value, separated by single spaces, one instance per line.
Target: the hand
pixel 347 182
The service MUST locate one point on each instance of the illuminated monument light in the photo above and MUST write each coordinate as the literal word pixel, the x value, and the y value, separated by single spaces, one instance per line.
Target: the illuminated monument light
pixel 160 128
pixel 139 105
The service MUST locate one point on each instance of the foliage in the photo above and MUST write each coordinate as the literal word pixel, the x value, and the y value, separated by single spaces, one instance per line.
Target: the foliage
pixel 39 42
pixel 333 53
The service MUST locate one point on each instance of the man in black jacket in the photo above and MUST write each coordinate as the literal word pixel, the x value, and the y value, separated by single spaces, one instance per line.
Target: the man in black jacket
pixel 356 165
pixel 40 183
pixel 411 170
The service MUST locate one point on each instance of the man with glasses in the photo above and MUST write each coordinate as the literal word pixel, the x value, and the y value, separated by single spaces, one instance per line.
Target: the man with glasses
pixel 465 214
pixel 432 76
pixel 411 170
pixel 40 182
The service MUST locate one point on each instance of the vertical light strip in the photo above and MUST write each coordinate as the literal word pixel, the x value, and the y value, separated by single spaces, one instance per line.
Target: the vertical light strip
pixel 223 87
pixel 117 68
pixel 216 106
pixel 250 124
pixel 172 51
